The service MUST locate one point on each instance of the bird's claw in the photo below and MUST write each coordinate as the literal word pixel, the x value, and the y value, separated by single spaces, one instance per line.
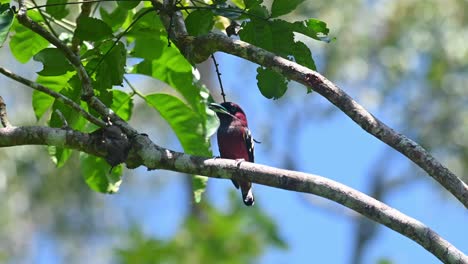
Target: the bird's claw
pixel 239 161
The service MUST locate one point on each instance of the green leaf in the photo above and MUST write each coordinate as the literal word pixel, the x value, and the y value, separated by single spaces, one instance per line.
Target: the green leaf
pixel 96 172
pixel 25 43
pixel 282 7
pixel 59 155
pixel 184 121
pixel 170 67
pixel 302 55
pixel 4 2
pixel 128 4
pixel 92 29
pixel 257 32
pixel 189 127
pixel 115 19
pixel 41 102
pixel 54 62
pixel 250 3
pixel 199 22
pixel 112 68
pixel 57 8
pixel 122 104
pixel 74 120
pixel 6 21
pixel 239 3
pixel 312 28
pixel 199 186
pixel 271 84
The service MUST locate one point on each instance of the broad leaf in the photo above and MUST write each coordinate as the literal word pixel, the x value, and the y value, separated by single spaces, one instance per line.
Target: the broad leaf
pixel 115 19
pixel 25 43
pixel 6 21
pixel 271 84
pixel 41 102
pixel 122 104
pixel 199 22
pixel 92 29
pixel 111 69
pixel 57 8
pixel 282 7
pixel 130 4
pixel 98 175
pixel 191 128
pixel 185 123
pixel 58 155
pixel 54 62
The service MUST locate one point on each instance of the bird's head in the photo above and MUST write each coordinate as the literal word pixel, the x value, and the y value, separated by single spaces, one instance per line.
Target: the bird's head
pixel 229 111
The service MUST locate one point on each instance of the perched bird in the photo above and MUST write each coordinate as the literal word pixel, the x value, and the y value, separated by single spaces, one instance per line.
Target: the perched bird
pixel 235 141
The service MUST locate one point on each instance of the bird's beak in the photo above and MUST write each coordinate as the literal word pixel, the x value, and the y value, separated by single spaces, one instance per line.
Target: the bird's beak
pixel 218 108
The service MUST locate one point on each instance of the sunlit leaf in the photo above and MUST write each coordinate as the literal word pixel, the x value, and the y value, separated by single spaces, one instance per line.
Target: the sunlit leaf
pixel 6 21
pixel 24 44
pixel 122 104
pixel 98 175
pixel 41 102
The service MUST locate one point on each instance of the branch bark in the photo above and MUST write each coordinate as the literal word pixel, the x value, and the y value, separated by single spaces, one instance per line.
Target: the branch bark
pixel 58 96
pixel 145 152
pixel 86 82
pixel 198 49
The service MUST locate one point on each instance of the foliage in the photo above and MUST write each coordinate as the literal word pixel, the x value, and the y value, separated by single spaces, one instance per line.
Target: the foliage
pixel 129 33
pixel 111 41
pixel 235 236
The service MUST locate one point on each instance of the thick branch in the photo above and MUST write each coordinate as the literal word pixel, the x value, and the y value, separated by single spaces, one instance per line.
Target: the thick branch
pixel 60 97
pixel 144 152
pixel 198 49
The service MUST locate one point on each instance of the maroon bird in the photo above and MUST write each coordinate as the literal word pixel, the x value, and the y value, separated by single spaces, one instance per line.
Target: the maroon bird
pixel 235 141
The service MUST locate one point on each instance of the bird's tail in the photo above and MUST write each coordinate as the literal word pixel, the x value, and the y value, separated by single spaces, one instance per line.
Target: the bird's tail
pixel 247 194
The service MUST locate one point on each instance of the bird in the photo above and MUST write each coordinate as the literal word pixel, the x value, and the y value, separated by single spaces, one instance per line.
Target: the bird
pixel 235 141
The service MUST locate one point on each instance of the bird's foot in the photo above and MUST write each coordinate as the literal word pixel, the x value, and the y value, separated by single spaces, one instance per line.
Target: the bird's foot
pixel 239 161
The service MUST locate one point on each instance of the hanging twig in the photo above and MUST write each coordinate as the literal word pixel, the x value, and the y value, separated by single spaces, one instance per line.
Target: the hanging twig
pixel 218 73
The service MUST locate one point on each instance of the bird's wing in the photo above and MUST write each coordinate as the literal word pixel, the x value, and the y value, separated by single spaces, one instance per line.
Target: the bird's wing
pixel 249 143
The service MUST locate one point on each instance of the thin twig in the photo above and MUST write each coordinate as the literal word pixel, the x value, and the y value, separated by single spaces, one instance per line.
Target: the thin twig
pixel 81 2
pixel 60 97
pixel 3 114
pixel 134 90
pixel 87 93
pixel 62 118
pixel 218 73
pixel 119 37
pixel 85 11
pixel 45 20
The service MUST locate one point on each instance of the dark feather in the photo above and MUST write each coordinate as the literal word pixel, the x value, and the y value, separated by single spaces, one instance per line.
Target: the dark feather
pixel 249 143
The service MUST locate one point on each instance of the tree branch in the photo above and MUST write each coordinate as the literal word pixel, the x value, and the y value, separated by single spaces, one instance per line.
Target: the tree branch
pixel 3 114
pixel 198 49
pixel 145 152
pixel 60 97
pixel 86 83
